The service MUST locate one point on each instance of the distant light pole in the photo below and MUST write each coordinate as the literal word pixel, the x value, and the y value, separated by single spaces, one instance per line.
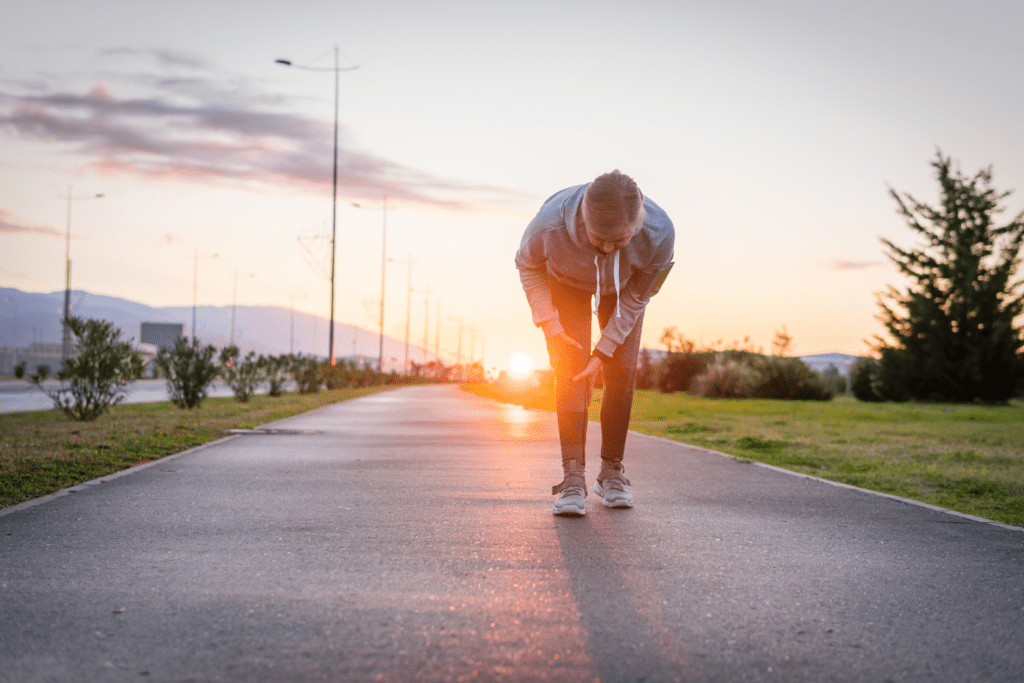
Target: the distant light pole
pixel 408 309
pixel 334 196
pixel 426 324
pixel 66 345
pixel 437 333
pixel 234 300
pixel 458 356
pixel 383 273
pixel 195 290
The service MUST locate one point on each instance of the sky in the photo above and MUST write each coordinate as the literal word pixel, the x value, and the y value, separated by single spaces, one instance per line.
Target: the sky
pixel 771 133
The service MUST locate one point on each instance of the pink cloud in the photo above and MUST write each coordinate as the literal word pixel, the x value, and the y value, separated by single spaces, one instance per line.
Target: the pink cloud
pixel 193 132
pixel 9 226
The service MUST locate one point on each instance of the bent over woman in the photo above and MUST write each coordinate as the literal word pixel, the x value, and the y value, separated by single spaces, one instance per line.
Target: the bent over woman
pixel 602 240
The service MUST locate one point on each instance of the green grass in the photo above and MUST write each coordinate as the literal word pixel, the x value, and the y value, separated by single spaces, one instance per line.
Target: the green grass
pixel 42 451
pixel 963 457
pixel 968 458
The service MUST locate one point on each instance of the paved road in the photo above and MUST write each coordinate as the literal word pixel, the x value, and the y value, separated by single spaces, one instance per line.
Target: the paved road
pixel 19 396
pixel 411 539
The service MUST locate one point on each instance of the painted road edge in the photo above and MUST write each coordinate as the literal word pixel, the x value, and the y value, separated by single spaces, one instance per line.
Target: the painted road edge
pixel 107 477
pixel 908 501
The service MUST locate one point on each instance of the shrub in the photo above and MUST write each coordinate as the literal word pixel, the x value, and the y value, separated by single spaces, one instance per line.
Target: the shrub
pixel 242 375
pixel 725 378
pixel 789 379
pixel 306 372
pixel 864 378
pixel 275 369
pixel 678 370
pixel 94 378
pixel 189 369
pixel 19 370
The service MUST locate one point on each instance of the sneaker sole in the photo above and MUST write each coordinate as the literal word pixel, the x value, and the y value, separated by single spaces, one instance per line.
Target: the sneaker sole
pixel 570 511
pixel 621 505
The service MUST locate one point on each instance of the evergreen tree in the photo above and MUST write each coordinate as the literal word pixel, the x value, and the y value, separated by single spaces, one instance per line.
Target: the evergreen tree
pixel 954 326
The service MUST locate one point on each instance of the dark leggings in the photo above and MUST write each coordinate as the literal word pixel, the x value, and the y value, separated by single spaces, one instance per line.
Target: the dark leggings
pixel 572 399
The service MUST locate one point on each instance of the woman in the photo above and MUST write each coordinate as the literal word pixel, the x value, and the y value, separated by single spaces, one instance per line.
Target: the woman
pixel 606 240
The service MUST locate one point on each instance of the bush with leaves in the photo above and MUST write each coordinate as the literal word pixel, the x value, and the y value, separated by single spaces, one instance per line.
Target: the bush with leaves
pixel 725 377
pixel 19 370
pixel 189 369
pixel 864 378
pixel 306 372
pixel 95 377
pixel 275 370
pixel 243 375
pixel 788 379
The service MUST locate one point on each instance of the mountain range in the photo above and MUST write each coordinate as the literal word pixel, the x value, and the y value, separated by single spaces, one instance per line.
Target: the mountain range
pixel 27 317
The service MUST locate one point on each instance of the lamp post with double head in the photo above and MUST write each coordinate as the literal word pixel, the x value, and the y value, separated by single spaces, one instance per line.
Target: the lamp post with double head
pixel 334 195
pixel 66 345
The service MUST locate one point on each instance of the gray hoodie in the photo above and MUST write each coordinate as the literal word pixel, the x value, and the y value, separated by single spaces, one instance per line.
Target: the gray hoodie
pixel 553 247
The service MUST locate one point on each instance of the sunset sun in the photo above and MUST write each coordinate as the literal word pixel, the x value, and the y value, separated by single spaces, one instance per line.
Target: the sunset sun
pixel 520 364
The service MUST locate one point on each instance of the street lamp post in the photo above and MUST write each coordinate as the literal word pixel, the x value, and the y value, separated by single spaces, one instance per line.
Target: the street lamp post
pixel 66 345
pixel 408 309
pixel 334 193
pixel 383 274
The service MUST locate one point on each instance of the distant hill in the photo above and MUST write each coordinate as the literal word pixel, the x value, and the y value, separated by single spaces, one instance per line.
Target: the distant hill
pixel 27 317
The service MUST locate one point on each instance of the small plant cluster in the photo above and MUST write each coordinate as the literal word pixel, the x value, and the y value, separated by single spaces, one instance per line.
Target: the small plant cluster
pixel 95 377
pixel 191 368
pixel 740 371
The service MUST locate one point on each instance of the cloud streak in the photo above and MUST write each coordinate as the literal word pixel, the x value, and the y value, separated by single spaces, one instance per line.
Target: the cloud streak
pixel 224 137
pixel 854 265
pixel 9 226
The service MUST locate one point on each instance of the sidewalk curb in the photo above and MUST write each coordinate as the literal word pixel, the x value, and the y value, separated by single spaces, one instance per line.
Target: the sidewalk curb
pixel 929 506
pixel 114 475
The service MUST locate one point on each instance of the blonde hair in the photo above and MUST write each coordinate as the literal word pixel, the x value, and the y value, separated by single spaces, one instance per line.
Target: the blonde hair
pixel 615 205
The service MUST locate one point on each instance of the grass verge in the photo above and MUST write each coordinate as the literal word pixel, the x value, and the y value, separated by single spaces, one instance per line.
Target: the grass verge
pixel 42 451
pixel 962 457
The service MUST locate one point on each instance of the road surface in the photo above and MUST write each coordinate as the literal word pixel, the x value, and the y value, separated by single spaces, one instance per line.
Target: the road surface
pixel 410 539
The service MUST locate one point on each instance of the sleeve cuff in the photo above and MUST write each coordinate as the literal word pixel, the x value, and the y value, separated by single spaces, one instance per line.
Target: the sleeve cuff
pixel 605 348
pixel 552 328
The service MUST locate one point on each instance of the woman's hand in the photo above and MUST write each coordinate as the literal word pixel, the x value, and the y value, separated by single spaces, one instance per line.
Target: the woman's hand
pixel 563 337
pixel 590 372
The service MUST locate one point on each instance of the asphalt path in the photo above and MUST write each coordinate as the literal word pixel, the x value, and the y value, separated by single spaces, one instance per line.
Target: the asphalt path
pixel 408 536
pixel 18 396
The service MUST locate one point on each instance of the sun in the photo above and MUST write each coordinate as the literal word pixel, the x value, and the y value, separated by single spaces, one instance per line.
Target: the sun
pixel 520 364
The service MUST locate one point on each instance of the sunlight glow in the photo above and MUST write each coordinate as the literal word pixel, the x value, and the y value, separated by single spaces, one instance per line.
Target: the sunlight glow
pixel 520 364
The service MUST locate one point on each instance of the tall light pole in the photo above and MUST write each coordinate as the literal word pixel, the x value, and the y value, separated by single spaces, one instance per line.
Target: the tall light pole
pixel 334 193
pixel 66 345
pixel 195 290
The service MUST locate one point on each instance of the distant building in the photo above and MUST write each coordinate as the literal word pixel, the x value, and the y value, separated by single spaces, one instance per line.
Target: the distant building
pixel 162 335
pixel 33 357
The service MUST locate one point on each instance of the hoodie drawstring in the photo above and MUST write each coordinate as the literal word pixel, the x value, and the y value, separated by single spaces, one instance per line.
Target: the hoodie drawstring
pixel 618 289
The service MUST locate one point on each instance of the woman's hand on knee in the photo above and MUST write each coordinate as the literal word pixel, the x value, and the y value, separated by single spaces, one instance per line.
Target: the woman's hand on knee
pixel 566 339
pixel 590 372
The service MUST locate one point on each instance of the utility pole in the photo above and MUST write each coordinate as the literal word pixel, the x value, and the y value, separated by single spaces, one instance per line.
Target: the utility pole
pixel 437 333
pixel 426 324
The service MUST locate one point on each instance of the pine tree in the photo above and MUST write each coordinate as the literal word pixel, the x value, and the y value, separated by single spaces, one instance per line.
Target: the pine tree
pixel 954 326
